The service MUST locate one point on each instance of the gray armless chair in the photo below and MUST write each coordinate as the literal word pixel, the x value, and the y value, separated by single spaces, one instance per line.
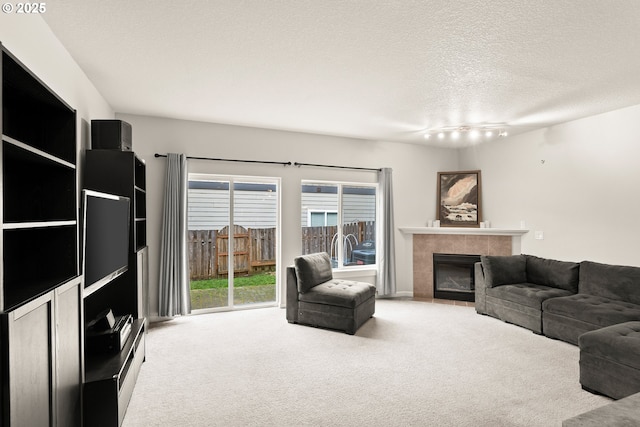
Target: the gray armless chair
pixel 315 298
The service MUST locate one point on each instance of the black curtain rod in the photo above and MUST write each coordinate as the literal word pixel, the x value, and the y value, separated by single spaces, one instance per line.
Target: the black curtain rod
pixel 277 163
pixel 232 160
pixel 337 167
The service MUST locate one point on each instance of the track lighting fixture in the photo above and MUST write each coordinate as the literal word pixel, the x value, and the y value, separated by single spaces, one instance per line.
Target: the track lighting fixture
pixel 468 132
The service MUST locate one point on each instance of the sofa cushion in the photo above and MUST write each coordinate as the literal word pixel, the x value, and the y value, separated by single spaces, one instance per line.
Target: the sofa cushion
pixel 343 293
pixel 610 281
pixel 592 309
pixel 527 294
pixel 550 272
pixel 619 343
pixel 312 270
pixel 504 270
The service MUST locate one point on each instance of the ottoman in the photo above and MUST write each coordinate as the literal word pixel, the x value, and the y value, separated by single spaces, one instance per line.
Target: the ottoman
pixel 610 360
pixel 623 413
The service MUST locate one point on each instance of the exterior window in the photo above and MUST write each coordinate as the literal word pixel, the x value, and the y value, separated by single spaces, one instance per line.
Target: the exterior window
pixel 340 219
pixel 321 219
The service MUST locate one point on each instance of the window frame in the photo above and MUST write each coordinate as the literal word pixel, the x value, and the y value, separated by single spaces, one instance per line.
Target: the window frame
pixel 232 180
pixel 340 194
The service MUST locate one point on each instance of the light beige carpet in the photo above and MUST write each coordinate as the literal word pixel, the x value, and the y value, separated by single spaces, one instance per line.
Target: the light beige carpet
pixel 413 364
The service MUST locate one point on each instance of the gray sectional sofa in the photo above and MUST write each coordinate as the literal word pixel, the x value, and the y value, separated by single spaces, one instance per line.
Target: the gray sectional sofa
pixel 559 299
pixel 607 295
pixel 592 305
pixel 513 288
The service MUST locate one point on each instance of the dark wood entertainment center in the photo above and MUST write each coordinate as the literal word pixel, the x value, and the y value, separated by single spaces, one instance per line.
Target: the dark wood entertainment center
pixel 109 378
pixel 47 376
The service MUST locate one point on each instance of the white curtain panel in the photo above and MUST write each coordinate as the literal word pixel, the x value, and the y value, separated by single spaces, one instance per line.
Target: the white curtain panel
pixel 174 267
pixel 386 253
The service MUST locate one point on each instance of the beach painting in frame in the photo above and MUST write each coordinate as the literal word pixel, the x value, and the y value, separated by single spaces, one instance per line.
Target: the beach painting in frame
pixel 459 199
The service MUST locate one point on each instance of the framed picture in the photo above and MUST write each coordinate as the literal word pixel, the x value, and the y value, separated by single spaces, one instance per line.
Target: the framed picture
pixel 459 199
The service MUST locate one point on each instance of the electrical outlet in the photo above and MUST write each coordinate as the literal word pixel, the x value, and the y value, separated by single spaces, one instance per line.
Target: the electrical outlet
pixel 539 235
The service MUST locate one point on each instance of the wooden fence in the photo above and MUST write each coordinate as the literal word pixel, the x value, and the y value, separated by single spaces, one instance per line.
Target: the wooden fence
pixel 255 248
pixel 362 230
pixel 317 239
pixel 201 245
pixel 321 239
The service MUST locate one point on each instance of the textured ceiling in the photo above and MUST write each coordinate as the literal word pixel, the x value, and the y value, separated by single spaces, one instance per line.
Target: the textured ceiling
pixel 374 69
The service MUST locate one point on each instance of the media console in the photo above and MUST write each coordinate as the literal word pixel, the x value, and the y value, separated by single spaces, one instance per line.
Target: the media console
pixel 113 361
pixel 110 379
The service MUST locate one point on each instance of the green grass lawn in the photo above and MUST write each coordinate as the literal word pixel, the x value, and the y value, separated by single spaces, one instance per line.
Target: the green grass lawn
pixel 238 282
pixel 248 289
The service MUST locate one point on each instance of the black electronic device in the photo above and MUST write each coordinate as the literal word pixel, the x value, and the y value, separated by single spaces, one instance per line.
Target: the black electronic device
pixel 109 340
pixel 106 238
pixel 103 322
pixel 111 135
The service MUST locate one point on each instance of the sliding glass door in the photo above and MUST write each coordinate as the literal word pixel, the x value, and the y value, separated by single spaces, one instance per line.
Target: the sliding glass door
pixel 233 229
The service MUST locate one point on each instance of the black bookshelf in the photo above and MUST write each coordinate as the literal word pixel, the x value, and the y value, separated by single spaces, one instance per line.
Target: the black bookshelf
pixel 40 283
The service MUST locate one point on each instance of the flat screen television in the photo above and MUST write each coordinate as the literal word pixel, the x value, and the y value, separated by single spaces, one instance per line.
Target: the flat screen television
pixel 105 238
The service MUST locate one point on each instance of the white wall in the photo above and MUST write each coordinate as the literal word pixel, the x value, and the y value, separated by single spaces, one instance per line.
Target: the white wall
pixel 577 182
pixel 415 170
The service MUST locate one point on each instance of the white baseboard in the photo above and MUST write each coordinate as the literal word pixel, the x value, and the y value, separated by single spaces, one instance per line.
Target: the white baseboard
pixel 401 294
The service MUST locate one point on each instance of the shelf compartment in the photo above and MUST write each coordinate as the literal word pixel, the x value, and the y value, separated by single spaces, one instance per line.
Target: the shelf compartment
pixel 102 366
pixel 36 188
pixel 31 113
pixel 27 147
pixel 140 173
pixel 37 260
pixel 141 234
pixel 141 204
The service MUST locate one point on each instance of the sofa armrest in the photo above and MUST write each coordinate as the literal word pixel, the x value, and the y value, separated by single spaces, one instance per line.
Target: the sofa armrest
pixel 480 289
pixel 292 295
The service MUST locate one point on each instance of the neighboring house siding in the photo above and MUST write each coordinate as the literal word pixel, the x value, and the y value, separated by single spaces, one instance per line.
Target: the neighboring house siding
pixel 317 202
pixel 209 209
pixel 357 207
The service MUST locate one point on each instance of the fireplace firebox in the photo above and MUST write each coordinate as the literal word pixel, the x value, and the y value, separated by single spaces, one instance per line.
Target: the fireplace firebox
pixel 453 276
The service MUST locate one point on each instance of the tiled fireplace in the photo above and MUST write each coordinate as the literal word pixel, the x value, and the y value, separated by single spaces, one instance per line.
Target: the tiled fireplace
pixel 429 241
pixel 453 276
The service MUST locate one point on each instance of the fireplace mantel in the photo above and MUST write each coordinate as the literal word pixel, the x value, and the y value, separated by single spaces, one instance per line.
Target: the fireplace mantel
pixel 454 240
pixel 464 230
